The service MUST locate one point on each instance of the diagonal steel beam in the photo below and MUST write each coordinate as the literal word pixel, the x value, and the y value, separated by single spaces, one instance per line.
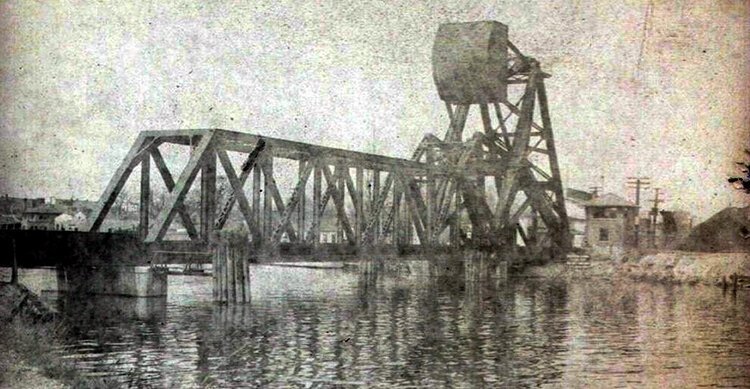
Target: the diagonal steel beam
pixel 291 207
pixel 131 160
pixel 554 167
pixel 338 200
pixel 245 170
pixel 238 193
pixel 274 191
pixel 181 188
pixel 166 176
pixel 376 208
pixel 320 208
pixel 416 220
pixel 517 154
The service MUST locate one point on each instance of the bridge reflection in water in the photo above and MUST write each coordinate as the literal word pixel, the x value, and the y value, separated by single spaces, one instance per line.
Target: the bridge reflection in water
pixel 308 326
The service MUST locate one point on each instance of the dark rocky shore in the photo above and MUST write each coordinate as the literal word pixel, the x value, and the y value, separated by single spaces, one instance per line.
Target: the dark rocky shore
pixel 29 334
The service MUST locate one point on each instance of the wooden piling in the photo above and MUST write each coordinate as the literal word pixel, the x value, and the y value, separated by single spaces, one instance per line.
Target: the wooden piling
pixel 231 281
pixel 14 271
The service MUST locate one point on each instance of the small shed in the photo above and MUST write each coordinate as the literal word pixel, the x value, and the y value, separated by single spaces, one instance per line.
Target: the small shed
pixel 610 224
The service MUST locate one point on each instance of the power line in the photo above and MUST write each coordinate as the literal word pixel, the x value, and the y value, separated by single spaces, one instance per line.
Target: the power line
pixel 655 214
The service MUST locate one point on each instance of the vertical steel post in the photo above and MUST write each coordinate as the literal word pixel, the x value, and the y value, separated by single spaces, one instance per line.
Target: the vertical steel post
pixel 360 206
pixel 257 190
pixel 145 200
pixel 455 226
pixel 396 223
pixel 430 198
pixel 317 215
pixel 208 194
pixel 338 175
pixel 301 205
pixel 267 199
pixel 375 197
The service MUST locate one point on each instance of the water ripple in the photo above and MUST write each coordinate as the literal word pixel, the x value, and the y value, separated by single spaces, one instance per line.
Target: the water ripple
pixel 323 328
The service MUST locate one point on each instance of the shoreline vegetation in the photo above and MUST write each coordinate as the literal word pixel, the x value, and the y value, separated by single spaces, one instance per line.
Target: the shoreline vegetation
pixel 30 336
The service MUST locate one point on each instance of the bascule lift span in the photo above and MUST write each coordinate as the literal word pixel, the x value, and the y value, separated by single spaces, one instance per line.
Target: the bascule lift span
pixel 497 190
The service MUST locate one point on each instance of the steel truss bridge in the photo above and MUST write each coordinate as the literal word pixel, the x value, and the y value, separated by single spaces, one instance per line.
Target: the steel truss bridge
pixel 496 189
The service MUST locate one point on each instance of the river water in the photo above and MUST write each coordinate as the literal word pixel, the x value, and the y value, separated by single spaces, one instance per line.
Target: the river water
pixel 336 328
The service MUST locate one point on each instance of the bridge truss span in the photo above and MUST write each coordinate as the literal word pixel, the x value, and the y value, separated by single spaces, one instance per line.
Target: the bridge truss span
pixel 374 199
pixel 497 190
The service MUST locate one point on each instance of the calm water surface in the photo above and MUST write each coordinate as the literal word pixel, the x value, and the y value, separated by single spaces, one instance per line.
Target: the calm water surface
pixel 323 328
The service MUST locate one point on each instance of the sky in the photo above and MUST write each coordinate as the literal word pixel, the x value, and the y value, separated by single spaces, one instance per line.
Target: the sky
pixel 638 88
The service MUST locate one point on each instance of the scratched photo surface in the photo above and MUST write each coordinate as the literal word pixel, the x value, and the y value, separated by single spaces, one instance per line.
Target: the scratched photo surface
pixel 639 95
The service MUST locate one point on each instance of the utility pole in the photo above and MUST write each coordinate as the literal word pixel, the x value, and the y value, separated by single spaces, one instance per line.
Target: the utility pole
pixel 654 214
pixel 638 183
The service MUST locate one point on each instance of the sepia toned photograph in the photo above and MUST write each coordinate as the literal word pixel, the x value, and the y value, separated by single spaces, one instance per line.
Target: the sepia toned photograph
pixel 405 194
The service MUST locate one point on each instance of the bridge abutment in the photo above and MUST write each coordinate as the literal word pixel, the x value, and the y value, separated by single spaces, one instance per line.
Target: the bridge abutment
pixel 131 281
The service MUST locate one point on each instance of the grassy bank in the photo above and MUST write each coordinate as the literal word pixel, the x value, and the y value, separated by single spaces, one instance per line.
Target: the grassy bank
pixel 30 334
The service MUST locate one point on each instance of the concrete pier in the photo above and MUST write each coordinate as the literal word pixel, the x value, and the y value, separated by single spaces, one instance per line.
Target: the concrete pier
pixel 132 281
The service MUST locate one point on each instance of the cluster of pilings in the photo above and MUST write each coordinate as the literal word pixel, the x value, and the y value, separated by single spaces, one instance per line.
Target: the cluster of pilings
pixel 231 270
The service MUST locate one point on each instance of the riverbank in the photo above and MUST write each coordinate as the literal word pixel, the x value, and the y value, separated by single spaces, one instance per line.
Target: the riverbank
pixel 30 333
pixel 673 266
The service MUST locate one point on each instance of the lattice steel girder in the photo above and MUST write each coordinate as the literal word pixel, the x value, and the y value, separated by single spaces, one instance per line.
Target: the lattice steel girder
pixel 509 151
pixel 427 190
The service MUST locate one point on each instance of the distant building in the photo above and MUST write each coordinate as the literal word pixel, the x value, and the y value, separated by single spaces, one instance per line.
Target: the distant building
pixel 575 207
pixel 329 230
pixel 36 213
pixel 64 221
pixel 610 225
pixel 17 205
pixel 10 222
pixel 75 205
pixel 40 218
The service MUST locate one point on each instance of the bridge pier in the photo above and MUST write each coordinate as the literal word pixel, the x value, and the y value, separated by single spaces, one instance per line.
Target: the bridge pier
pixel 483 267
pixel 117 280
pixel 231 268
pixel 231 277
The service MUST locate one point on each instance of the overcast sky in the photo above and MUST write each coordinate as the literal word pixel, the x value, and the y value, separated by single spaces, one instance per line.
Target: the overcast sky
pixel 657 90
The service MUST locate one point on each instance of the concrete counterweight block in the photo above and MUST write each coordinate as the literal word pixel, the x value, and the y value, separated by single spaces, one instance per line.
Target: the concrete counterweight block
pixel 132 281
